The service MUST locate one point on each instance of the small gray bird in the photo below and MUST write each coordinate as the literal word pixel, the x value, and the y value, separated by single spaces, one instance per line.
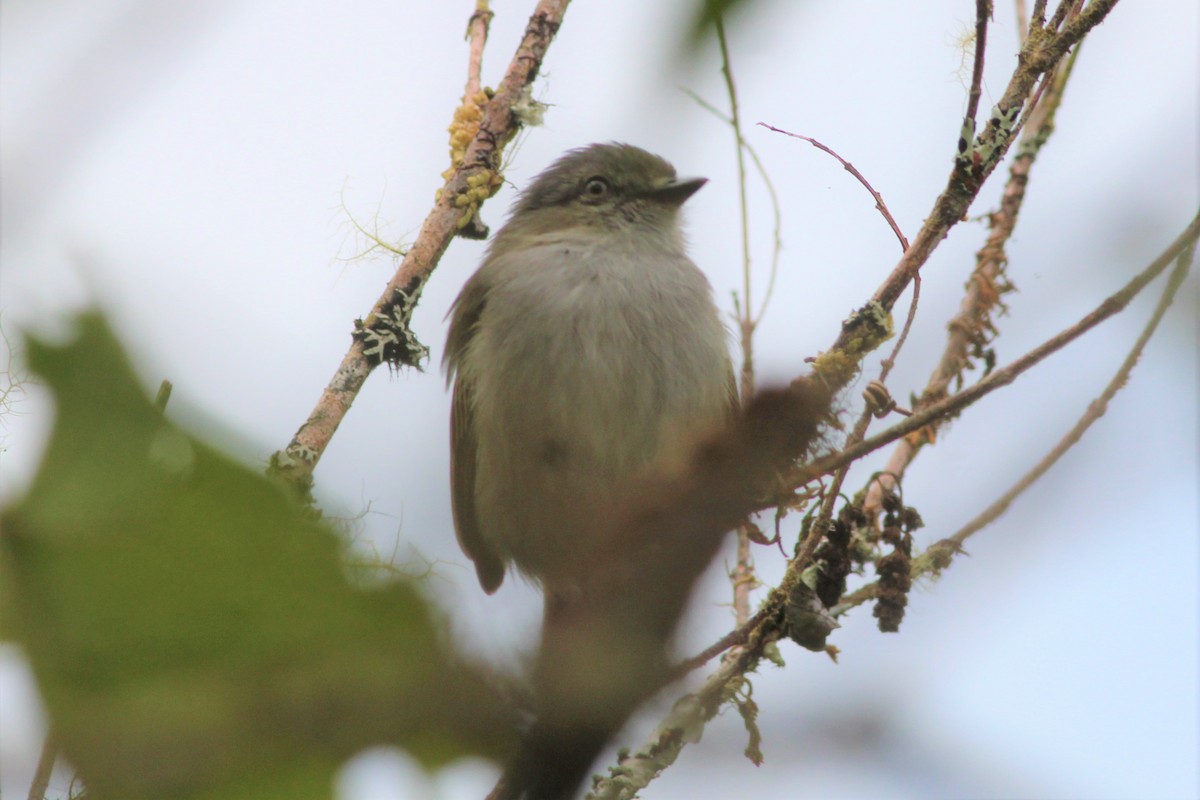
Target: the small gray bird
pixel 587 358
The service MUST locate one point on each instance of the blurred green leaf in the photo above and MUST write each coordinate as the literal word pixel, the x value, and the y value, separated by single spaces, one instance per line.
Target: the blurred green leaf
pixel 191 629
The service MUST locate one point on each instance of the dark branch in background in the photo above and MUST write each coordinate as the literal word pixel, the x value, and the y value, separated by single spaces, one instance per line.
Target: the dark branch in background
pixel 473 178
pixel 1022 17
pixel 939 555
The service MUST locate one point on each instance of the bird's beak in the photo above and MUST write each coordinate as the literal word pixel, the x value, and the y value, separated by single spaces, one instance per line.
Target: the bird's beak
pixel 676 190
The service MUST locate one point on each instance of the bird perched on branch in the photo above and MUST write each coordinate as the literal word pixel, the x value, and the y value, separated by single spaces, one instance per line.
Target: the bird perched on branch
pixel 587 357
pixel 588 362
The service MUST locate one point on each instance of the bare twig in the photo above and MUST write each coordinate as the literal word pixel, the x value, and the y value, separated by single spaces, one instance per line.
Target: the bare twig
pixel 879 204
pixel 470 182
pixel 477 31
pixel 1038 18
pixel 983 13
pixel 1095 409
pixel 742 576
pixel 1065 8
pixel 735 638
pixel 687 718
pixel 745 319
pixel 772 195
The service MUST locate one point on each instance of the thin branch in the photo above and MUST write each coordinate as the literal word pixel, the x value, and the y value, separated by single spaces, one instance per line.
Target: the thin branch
pixel 772 195
pixel 980 157
pixel 776 228
pixel 973 325
pixel 742 576
pixel 1181 249
pixel 1038 18
pixel 1060 14
pixel 1096 408
pixel 477 31
pixel 816 530
pixel 977 159
pixel 1022 20
pixel 983 12
pixel 686 720
pixel 937 557
pixel 879 204
pixel 471 180
pixel 746 322
pixel 735 638
pixel 1111 305
pixel 1075 29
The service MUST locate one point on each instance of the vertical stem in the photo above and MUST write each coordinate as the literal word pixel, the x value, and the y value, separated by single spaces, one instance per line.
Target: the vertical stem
pixel 743 571
pixel 745 319
pixel 477 31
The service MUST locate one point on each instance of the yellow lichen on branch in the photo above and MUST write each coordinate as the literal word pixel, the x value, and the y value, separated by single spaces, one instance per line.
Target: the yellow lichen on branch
pixel 464 127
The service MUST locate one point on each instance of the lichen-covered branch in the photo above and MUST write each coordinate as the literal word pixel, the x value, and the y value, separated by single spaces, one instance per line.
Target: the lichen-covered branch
pixel 474 176
pixel 973 328
pixel 1041 52
pixel 939 555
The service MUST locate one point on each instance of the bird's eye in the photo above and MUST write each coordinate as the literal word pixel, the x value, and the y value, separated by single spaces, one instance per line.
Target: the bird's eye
pixel 595 187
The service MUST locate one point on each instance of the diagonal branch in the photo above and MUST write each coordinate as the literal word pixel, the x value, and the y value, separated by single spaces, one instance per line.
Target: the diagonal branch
pixel 1110 306
pixel 846 165
pixel 938 556
pixel 983 13
pixel 1039 54
pixel 472 179
pixel 972 328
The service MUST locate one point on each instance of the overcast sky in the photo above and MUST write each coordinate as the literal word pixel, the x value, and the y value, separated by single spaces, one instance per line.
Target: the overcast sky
pixel 194 168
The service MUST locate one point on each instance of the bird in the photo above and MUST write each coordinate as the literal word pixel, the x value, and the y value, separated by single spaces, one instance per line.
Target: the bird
pixel 588 359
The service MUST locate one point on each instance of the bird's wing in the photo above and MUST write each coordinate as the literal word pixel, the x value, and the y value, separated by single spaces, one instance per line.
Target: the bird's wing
pixel 488 565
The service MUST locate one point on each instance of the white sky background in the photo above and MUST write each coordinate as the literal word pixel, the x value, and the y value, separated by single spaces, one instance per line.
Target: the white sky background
pixel 185 165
